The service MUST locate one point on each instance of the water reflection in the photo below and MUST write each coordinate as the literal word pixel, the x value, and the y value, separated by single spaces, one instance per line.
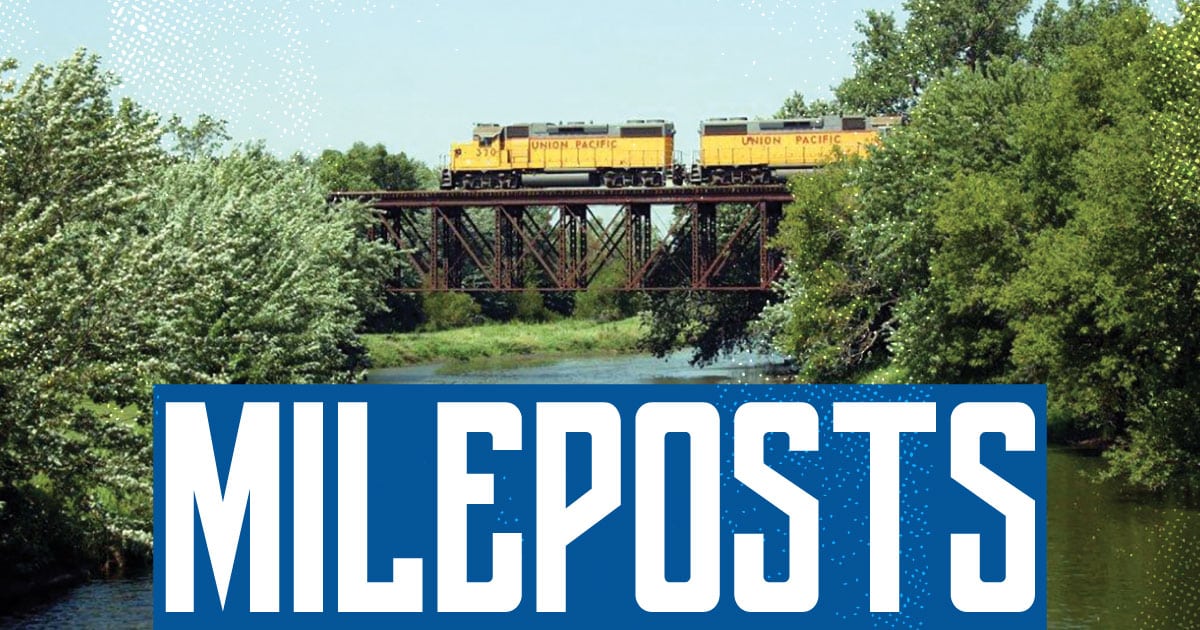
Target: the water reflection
pixel 100 604
pixel 674 369
pixel 1118 559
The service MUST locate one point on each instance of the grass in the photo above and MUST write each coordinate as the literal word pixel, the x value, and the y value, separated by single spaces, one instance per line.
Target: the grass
pixel 886 374
pixel 504 341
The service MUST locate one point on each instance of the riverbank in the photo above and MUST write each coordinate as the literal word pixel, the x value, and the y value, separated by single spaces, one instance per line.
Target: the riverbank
pixel 509 342
pixel 27 590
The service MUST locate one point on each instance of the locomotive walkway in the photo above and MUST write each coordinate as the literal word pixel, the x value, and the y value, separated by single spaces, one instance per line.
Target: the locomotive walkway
pixel 551 239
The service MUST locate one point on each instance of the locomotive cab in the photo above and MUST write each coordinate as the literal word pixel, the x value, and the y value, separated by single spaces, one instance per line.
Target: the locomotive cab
pixel 482 162
pixel 486 134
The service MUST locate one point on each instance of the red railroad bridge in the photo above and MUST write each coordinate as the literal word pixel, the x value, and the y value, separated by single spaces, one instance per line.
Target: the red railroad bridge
pixel 700 238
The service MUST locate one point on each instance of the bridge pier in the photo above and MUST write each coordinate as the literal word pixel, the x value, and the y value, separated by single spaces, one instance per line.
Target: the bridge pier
pixel 770 260
pixel 509 248
pixel 572 233
pixel 639 237
pixel 704 242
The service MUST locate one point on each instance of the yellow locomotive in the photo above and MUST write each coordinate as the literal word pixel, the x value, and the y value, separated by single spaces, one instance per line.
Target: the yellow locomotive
pixel 642 152
pixel 636 153
pixel 741 151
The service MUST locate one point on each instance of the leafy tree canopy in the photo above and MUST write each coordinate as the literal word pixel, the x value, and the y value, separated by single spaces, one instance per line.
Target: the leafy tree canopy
pixel 123 265
pixel 371 167
pixel 1034 222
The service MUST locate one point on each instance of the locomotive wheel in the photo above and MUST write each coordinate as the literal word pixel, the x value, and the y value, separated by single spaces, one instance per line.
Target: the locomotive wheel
pixel 650 179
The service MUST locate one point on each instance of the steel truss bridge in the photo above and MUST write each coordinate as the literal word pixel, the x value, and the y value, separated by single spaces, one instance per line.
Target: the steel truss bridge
pixel 553 240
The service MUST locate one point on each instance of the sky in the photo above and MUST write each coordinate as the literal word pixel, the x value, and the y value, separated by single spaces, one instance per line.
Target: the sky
pixel 306 75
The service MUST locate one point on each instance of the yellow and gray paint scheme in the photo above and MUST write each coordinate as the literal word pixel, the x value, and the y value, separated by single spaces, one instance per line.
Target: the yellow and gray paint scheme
pixel 642 152
pixel 635 153
pixel 741 151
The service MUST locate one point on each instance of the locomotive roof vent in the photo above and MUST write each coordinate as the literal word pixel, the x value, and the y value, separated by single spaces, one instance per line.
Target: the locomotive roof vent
pixel 723 127
pixel 854 123
pixel 645 129
pixel 788 124
pixel 575 129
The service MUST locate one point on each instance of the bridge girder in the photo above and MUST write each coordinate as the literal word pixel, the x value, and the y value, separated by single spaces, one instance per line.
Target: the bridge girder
pixel 554 239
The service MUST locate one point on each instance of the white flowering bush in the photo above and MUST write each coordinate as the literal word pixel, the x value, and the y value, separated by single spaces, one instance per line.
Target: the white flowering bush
pixel 123 265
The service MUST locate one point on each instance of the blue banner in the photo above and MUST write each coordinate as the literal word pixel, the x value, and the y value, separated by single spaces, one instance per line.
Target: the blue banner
pixel 597 506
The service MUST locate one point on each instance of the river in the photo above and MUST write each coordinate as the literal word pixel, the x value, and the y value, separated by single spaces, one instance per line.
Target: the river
pixel 1116 559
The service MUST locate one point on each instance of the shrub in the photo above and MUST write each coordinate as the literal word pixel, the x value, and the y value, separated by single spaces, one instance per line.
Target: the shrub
pixel 449 310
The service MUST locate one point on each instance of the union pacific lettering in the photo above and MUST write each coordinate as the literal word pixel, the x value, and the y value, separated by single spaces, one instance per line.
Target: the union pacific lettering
pixel 819 138
pixel 594 143
pixel 746 140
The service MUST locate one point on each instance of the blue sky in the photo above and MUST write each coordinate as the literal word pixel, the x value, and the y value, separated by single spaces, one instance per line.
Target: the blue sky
pixel 310 74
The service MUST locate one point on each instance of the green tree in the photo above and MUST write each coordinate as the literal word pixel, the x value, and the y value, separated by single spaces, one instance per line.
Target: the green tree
pixel 74 477
pixel 1090 178
pixel 708 322
pixel 884 80
pixel 1165 420
pixel 249 275
pixel 835 317
pixel 1055 28
pixel 449 310
pixel 1108 293
pixel 795 107
pixel 122 266
pixel 1034 222
pixel 531 306
pixel 861 234
pixel 371 167
pixel 204 138
pixel 604 301
pixel 949 49
pixel 947 33
pixel 892 66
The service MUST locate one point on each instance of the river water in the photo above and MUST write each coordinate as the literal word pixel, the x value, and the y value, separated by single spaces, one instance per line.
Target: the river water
pixel 1116 559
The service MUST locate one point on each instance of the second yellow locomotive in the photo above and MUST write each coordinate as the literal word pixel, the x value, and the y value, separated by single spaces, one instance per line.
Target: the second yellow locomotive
pixel 741 151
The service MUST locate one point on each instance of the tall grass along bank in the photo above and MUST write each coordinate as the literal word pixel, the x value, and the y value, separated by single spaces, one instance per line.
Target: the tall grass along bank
pixel 566 336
